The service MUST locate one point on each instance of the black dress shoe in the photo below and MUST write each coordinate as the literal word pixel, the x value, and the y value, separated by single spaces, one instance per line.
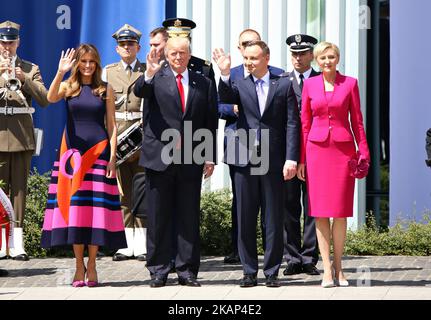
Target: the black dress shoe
pixel 21 257
pixel 157 282
pixel 248 281
pixel 233 258
pixel 292 268
pixel 141 257
pixel 3 273
pixel 310 269
pixel 272 281
pixel 120 257
pixel 190 282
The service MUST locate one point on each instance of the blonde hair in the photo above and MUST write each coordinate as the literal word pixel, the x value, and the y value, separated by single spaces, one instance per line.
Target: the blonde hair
pixel 74 83
pixel 323 46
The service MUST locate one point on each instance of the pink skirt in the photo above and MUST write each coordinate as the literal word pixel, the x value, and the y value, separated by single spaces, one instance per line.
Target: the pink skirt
pixel 330 186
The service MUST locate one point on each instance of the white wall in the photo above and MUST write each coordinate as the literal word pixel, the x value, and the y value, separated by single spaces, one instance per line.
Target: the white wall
pixel 219 23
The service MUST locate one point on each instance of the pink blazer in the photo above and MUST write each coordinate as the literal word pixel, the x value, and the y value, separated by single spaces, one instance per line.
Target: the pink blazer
pixel 321 116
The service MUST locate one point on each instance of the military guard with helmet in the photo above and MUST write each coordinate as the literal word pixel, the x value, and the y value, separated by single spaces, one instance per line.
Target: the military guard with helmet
pixel 181 27
pixel 20 82
pixel 122 77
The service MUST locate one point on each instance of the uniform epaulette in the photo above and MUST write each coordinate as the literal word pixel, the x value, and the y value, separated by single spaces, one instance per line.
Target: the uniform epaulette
pixel 208 63
pixel 111 65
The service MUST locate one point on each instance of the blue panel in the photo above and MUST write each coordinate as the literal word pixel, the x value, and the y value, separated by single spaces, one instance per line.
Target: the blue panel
pixel 101 18
pixel 410 110
pixel 91 21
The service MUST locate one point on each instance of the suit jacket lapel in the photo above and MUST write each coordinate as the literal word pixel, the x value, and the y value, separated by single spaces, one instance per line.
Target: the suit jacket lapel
pixel 170 81
pixel 191 93
pixel 137 72
pixel 295 84
pixel 121 73
pixel 251 88
pixel 273 84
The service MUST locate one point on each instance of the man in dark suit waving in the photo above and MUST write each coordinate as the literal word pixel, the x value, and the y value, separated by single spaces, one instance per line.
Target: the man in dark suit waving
pixel 229 113
pixel 264 151
pixel 180 107
pixel 300 252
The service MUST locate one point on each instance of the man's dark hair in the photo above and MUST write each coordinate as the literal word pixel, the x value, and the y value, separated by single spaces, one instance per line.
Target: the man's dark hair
pixel 161 30
pixel 259 43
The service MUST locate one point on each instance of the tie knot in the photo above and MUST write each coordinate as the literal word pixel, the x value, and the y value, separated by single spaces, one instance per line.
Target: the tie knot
pixel 259 82
pixel 129 67
pixel 179 76
pixel 301 76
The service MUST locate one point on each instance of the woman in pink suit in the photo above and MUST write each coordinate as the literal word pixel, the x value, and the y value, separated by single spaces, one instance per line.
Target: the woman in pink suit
pixel 328 144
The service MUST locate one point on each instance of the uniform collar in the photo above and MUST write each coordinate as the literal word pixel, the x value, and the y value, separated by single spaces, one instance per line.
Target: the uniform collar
pixel 133 64
pixel 306 73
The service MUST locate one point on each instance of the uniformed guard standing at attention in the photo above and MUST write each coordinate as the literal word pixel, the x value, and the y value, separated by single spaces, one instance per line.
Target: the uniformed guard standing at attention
pixel 20 82
pixel 122 77
pixel 300 247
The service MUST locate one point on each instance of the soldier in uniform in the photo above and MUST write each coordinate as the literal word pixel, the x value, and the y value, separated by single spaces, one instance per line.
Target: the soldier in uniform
pixel 300 251
pixel 122 77
pixel 20 82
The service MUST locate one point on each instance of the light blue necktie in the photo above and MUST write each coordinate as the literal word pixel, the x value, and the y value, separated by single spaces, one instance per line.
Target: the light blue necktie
pixel 261 96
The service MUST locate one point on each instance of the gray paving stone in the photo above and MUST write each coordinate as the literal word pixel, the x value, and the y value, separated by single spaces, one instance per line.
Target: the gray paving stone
pixel 389 277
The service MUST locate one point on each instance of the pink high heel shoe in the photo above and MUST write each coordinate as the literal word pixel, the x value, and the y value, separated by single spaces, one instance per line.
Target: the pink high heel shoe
pixel 79 283
pixel 91 284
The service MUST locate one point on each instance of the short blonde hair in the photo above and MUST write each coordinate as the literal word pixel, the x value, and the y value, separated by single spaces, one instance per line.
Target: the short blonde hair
pixel 323 46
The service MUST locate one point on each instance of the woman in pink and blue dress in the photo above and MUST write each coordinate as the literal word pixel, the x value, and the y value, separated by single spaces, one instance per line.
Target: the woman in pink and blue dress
pixel 328 145
pixel 83 207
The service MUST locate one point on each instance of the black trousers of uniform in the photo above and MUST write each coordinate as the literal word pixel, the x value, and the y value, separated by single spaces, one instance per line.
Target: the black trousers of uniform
pixel 264 192
pixel 298 249
pixel 125 173
pixel 14 173
pixel 173 197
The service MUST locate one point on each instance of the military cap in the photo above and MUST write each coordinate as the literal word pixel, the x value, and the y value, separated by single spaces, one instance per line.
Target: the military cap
pixel 9 31
pixel 179 27
pixel 301 42
pixel 127 33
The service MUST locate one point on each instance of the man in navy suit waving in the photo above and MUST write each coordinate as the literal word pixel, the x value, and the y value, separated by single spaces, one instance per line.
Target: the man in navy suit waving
pixel 180 110
pixel 229 113
pixel 264 152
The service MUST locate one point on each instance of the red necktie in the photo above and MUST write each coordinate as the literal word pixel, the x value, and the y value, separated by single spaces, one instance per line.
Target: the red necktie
pixel 181 91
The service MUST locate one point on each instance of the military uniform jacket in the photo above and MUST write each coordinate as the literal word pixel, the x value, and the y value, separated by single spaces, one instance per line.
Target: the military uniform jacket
pixel 203 67
pixel 291 75
pixel 126 101
pixel 17 131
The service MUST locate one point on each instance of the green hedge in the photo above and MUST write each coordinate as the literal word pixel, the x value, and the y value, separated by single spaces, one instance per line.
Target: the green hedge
pixel 37 195
pixel 406 238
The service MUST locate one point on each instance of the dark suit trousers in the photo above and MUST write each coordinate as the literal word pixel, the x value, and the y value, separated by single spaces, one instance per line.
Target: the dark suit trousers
pixel 173 197
pixel 264 192
pixel 234 216
pixel 294 251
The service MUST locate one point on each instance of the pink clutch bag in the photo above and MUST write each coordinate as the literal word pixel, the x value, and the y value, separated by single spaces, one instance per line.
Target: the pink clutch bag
pixel 358 166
